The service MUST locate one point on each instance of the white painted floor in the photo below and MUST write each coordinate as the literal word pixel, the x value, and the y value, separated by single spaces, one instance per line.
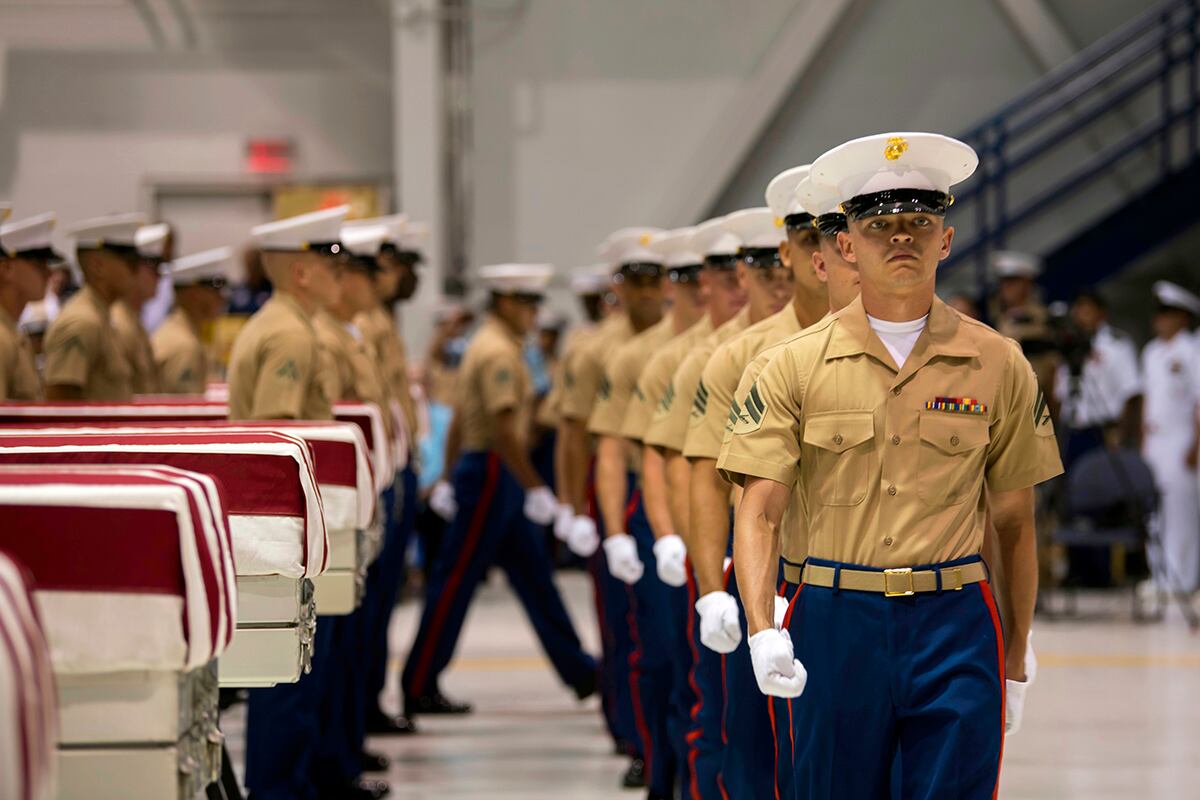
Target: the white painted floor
pixel 1115 713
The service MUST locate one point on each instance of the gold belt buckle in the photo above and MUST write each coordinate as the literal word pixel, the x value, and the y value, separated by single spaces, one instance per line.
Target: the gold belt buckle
pixel 956 572
pixel 900 574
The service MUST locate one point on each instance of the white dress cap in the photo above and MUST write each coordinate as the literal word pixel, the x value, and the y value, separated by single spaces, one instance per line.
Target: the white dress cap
pixel 674 248
pixel 204 267
pixel 887 161
pixel 27 235
pixel 414 238
pixel 711 239
pixel 300 232
pixel 817 198
pixel 755 227
pixel 114 229
pixel 630 246
pixel 1014 264
pixel 151 240
pixel 781 193
pixel 594 279
pixel 364 240
pixel 395 224
pixel 516 278
pixel 1174 296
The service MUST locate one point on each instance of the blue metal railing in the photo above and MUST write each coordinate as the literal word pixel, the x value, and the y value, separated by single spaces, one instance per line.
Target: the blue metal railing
pixel 1056 139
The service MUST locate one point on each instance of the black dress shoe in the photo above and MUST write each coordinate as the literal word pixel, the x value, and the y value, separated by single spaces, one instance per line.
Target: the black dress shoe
pixel 380 724
pixel 587 687
pixel 436 703
pixel 635 776
pixel 373 762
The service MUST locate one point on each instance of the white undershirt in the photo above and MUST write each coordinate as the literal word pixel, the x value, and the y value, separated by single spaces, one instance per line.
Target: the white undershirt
pixel 898 337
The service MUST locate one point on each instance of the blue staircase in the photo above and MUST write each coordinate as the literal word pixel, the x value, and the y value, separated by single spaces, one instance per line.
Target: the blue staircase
pixel 1095 164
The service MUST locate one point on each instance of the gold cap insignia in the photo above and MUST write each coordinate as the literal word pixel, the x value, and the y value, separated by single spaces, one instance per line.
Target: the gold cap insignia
pixel 779 222
pixel 895 148
pixel 644 239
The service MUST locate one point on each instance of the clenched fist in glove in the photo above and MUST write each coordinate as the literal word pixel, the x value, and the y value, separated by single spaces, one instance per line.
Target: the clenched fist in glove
pixel 540 505
pixel 563 517
pixel 669 556
pixel 778 672
pixel 583 538
pixel 720 626
pixel 442 500
pixel 1014 692
pixel 621 551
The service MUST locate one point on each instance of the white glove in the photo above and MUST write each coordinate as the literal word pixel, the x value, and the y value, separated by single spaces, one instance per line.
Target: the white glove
pixel 720 628
pixel 781 609
pixel 442 501
pixel 623 563
pixel 669 555
pixel 583 538
pixel 1030 660
pixel 778 672
pixel 563 517
pixel 1014 705
pixel 540 505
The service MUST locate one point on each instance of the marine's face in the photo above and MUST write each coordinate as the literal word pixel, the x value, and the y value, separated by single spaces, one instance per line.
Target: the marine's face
pixel 1168 322
pixel 321 277
pixel 145 283
pixel 519 311
pixel 840 276
pixel 120 270
pixel 1087 314
pixel 896 252
pixel 386 278
pixel 642 296
pixel 1015 291
pixel 768 289
pixel 358 290
pixel 797 253
pixel 29 276
pixel 726 295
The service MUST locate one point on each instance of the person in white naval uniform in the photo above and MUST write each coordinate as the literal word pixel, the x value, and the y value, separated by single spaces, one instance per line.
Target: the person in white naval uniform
pixel 1171 379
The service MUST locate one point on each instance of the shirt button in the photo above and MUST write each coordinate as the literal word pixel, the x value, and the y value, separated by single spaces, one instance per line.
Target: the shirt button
pixel 954 440
pixel 888 541
pixel 892 490
pixel 837 438
pixel 895 439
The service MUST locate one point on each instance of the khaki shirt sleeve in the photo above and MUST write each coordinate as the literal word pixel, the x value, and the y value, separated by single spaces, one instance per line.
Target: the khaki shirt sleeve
pixel 652 383
pixel 710 405
pixel 500 385
pixel 615 392
pixel 763 436
pixel 287 367
pixel 582 375
pixel 1024 450
pixel 72 345
pixel 668 429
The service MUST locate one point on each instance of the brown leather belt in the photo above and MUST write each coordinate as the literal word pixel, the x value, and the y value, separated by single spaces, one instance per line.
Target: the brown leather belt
pixel 890 582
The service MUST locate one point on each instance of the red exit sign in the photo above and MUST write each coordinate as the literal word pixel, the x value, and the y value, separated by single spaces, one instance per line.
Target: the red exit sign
pixel 269 155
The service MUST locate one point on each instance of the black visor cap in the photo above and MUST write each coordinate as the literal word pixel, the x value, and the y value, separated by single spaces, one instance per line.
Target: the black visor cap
pixel 722 261
pixel 832 224
pixel 686 273
pixel 798 222
pixel 897 201
pixel 760 257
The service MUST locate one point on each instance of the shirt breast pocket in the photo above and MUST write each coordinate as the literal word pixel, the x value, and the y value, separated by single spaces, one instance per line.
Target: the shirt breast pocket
pixel 842 456
pixel 950 464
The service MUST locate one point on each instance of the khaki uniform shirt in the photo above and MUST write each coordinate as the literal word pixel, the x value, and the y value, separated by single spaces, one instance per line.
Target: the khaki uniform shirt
pixel 274 369
pixel 793 527
pixel 893 464
pixel 655 379
pixel 718 383
pixel 18 371
pixel 584 368
pixel 352 369
pixel 179 355
pixel 81 350
pixel 669 427
pixel 550 412
pixel 621 377
pixel 135 344
pixel 379 330
pixel 493 379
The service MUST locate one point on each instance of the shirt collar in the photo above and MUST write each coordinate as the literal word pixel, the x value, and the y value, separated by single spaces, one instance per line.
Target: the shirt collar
pixel 944 335
pixel 497 325
pixel 293 306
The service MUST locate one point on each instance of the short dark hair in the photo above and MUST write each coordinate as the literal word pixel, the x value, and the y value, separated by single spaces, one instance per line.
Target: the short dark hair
pixel 1090 294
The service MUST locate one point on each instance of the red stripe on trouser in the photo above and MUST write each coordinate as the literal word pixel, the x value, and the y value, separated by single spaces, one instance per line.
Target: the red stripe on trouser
pixel 986 591
pixel 787 624
pixel 474 531
pixel 694 735
pixel 639 713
